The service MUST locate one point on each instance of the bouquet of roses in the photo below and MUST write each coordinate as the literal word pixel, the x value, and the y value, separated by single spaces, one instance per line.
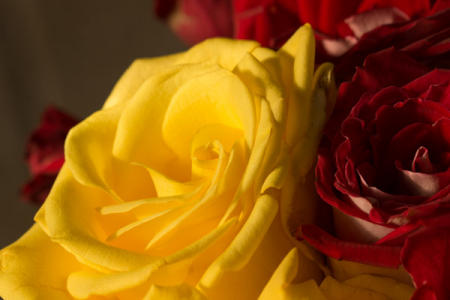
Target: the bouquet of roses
pixel 238 171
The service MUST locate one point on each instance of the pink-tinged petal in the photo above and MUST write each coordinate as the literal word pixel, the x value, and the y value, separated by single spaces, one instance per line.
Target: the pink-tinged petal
pixel 426 257
pixel 364 22
pixel 421 161
pixel 337 47
pixel 324 187
pixel 434 215
pixel 398 236
pixel 355 229
pixel 424 184
pixel 427 182
pixel 385 256
pixel 384 204
pixel 405 147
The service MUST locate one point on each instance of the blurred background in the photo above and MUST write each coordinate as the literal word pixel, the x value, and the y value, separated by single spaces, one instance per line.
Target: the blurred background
pixel 68 54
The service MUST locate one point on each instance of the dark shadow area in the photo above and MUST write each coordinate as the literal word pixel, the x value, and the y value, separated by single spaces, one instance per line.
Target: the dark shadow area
pixel 65 53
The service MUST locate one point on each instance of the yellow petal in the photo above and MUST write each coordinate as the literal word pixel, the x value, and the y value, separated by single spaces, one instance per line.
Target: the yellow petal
pixel 297 62
pixel 138 72
pixel 247 264
pixel 218 97
pixel 69 216
pixel 139 135
pixel 269 58
pixel 384 285
pixel 84 284
pixel 261 83
pixel 88 152
pixel 322 103
pixel 336 290
pixel 34 267
pixel 225 52
pixel 169 270
pixel 281 285
pixel 344 270
pixel 184 292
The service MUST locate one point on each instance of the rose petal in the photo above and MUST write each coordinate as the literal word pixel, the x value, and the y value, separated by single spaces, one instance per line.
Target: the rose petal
pixel 431 249
pixel 371 19
pixel 398 35
pixel 368 254
pixel 421 161
pixel 31 268
pixel 420 87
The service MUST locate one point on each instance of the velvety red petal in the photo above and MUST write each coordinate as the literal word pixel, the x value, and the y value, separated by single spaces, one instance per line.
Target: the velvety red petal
pixel 325 15
pixel 425 292
pixel 399 36
pixel 377 255
pixel 439 5
pixel 413 8
pixel 268 22
pixel 367 108
pixel 324 187
pixel 426 257
pixel 432 86
pixel 434 214
pixel 390 67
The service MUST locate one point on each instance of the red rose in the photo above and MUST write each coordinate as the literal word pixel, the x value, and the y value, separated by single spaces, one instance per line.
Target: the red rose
pixel 425 39
pixel 45 153
pixel 196 20
pixel 338 24
pixel 384 165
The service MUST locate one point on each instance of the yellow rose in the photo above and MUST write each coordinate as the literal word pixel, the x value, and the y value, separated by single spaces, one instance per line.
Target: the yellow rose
pixel 173 189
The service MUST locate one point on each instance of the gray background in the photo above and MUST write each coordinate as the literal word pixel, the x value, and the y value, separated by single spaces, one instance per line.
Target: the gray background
pixel 66 53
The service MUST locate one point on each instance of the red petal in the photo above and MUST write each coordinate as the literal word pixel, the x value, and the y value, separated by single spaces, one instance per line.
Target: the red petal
pixel 385 256
pixel 426 257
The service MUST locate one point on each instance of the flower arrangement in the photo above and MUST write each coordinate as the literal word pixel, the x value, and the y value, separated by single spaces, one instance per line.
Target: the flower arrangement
pixel 250 169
